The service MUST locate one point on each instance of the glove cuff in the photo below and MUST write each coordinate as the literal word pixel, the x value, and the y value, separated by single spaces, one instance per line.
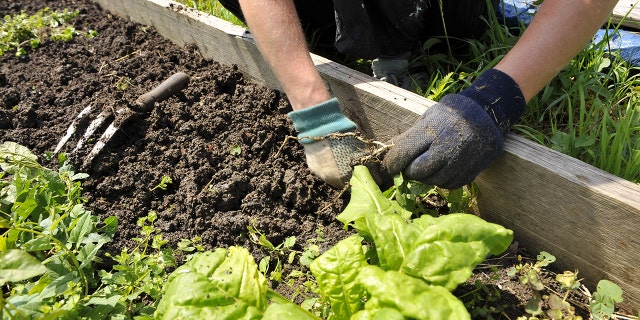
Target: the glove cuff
pixel 500 96
pixel 320 120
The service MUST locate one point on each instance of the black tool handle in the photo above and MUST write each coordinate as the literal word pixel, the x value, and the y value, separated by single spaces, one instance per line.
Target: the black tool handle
pixel 167 88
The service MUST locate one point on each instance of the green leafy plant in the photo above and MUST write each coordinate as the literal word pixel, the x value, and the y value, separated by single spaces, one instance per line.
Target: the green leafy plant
pixel 22 31
pixel 165 181
pixel 139 273
pixel 604 299
pixel 530 274
pixel 43 217
pixel 50 249
pixel 284 254
pixel 279 252
pixel 122 83
pixel 214 8
pixel 235 150
pixel 558 305
pixel 393 268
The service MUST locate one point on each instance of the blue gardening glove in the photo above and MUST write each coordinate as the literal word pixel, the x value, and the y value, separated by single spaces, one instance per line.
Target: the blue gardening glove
pixel 454 140
pixel 330 154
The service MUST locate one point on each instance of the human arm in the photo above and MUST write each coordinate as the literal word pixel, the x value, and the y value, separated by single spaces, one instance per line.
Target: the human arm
pixel 327 135
pixel 276 27
pixel 464 133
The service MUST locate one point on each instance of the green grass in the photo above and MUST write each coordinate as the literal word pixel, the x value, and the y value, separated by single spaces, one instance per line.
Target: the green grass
pixel 590 110
pixel 213 8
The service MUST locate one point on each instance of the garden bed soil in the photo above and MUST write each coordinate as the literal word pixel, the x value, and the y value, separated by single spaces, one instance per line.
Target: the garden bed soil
pixel 222 140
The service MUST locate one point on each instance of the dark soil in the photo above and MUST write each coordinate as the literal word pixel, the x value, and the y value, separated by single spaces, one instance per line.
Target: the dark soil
pixel 221 140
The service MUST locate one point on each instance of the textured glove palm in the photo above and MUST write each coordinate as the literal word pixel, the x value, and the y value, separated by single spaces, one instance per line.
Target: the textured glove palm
pixel 454 140
pixel 330 154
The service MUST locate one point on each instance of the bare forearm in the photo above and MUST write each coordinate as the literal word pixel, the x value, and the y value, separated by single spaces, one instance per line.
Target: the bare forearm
pixel 558 32
pixel 276 28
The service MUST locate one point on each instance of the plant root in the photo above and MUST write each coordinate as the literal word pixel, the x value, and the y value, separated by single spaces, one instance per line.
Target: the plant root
pixel 375 149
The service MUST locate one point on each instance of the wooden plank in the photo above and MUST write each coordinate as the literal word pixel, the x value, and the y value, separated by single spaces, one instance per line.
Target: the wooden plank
pixel 627 12
pixel 588 218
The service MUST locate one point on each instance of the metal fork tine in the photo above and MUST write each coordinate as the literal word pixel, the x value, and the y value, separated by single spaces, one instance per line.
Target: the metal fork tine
pixel 72 128
pixel 93 126
pixel 143 104
pixel 106 136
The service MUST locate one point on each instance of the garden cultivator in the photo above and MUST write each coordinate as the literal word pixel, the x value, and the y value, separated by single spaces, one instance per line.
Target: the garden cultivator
pixel 121 115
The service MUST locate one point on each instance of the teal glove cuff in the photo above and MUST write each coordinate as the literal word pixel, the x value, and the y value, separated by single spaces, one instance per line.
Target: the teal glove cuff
pixel 320 120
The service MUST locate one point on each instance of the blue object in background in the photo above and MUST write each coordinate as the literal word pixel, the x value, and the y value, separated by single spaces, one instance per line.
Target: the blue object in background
pixel 516 13
pixel 625 42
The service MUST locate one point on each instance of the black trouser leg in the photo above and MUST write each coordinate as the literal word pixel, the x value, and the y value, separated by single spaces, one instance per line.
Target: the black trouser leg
pixel 385 27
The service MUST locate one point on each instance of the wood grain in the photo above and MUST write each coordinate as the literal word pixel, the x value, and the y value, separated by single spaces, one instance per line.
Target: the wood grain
pixel 627 13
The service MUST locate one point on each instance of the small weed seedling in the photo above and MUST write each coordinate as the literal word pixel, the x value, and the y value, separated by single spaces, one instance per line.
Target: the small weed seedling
pixel 164 183
pixel 308 286
pixel 285 249
pixel 602 304
pixel 531 274
pixel 141 272
pixel 122 83
pixel 557 304
pixel 235 150
pixel 478 300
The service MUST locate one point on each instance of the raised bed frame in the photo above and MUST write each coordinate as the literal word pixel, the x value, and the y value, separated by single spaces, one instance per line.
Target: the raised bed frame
pixel 588 218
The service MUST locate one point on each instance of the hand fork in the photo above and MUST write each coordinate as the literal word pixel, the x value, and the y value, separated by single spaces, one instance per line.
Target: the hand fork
pixel 144 103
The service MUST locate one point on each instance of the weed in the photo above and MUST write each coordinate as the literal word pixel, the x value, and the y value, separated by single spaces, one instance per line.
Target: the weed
pixel 50 248
pixel 478 301
pixel 558 305
pixel 122 83
pixel 604 299
pixel 22 32
pixel 299 279
pixel 165 181
pixel 420 199
pixel 235 150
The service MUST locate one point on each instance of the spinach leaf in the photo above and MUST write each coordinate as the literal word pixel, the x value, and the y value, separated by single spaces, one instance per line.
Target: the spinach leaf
pixel 223 284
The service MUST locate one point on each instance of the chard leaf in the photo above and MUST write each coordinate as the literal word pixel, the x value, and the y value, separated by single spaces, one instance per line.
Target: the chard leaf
pixel 335 272
pixel 224 284
pixel 393 238
pixel 378 314
pixel 443 251
pixel 411 297
pixel 366 197
pixel 446 252
pixel 281 311
pixel 17 265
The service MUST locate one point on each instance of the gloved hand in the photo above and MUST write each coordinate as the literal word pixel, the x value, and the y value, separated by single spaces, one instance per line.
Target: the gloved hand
pixel 454 140
pixel 330 155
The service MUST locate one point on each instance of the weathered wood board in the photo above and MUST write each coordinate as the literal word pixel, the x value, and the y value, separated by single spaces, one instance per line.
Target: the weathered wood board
pixel 627 12
pixel 586 217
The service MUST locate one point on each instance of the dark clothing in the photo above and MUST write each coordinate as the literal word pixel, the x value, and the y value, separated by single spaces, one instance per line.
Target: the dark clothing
pixel 383 28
